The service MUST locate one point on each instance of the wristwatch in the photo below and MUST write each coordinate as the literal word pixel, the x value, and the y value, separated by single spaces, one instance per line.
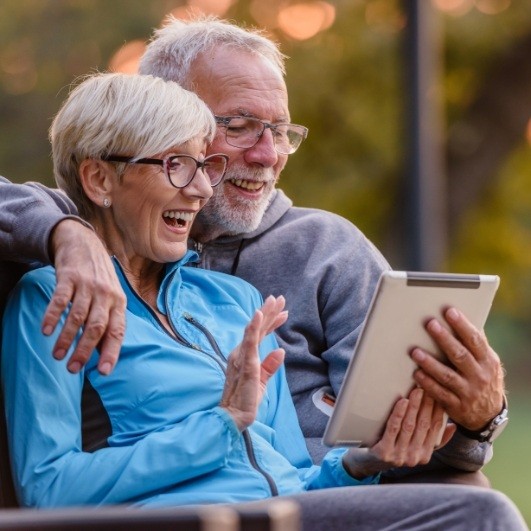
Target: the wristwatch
pixel 492 430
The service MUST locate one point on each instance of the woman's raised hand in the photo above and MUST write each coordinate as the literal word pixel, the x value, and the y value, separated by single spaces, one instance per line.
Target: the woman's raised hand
pixel 247 377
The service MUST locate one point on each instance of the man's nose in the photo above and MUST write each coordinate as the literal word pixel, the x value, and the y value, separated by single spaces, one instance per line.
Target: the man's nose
pixel 263 152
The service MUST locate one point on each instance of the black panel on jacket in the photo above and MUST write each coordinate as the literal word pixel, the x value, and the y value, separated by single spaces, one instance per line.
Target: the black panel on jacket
pixel 95 422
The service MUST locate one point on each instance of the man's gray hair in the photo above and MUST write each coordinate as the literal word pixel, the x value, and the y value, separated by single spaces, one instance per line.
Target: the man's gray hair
pixel 122 114
pixel 176 45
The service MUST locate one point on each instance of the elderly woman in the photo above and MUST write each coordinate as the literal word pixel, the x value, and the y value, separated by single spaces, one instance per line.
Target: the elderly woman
pixel 192 413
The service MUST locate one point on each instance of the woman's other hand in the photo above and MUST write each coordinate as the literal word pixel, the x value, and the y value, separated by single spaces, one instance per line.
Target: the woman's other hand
pixel 409 439
pixel 246 376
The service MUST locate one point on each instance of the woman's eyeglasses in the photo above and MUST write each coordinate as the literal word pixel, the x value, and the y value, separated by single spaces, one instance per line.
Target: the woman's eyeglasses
pixel 181 169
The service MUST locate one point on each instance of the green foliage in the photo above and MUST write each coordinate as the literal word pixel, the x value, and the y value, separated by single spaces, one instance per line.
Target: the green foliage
pixel 508 469
pixel 496 235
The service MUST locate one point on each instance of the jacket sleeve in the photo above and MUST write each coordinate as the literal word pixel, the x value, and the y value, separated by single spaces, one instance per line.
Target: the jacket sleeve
pixel 28 214
pixel 289 441
pixel 43 410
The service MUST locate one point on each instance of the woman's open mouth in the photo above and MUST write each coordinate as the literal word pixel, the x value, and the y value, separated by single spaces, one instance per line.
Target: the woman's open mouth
pixel 177 218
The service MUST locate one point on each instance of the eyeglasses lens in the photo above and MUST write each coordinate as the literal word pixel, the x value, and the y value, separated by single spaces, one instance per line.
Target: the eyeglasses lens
pixel 182 169
pixel 245 133
pixel 214 167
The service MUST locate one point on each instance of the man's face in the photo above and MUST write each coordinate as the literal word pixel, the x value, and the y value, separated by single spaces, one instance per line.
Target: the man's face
pixel 234 83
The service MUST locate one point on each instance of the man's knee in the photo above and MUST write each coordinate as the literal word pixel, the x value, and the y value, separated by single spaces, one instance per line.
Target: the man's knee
pixel 495 509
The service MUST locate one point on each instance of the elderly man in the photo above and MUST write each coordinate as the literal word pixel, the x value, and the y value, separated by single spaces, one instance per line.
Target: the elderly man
pixel 321 263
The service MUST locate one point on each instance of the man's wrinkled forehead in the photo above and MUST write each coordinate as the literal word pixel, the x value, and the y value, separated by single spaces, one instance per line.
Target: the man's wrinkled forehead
pixel 240 83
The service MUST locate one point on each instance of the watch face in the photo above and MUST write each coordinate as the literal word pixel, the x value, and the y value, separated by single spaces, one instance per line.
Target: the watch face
pixel 497 426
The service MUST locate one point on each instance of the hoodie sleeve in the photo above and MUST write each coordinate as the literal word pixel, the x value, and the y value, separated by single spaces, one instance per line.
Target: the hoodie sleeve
pixel 28 214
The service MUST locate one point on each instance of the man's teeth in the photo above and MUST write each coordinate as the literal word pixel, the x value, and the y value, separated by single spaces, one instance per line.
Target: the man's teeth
pixel 185 216
pixel 249 185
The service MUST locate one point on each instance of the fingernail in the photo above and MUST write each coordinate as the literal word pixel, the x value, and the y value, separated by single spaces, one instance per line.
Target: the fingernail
pixel 59 354
pixel 453 314
pixel 74 367
pixel 105 368
pixel 434 326
pixel 418 355
pixel 47 330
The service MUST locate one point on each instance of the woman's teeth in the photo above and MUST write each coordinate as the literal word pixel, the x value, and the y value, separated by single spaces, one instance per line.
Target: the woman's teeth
pixel 175 214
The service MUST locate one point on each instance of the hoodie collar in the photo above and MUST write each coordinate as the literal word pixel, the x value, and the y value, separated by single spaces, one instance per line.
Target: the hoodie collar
pixel 278 206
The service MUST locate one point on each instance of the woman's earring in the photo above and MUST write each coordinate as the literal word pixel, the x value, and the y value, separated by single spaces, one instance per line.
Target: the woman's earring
pixel 106 202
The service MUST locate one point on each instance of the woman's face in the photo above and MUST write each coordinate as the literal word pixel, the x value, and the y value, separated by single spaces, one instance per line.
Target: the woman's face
pixel 151 218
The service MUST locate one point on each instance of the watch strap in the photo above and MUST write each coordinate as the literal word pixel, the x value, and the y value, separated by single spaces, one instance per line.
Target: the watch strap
pixel 489 432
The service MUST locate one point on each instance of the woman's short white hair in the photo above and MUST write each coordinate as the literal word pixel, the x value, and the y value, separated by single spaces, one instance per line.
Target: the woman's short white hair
pixel 122 114
pixel 176 45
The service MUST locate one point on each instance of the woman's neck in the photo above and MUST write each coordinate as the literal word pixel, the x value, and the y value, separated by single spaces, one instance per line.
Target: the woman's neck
pixel 143 274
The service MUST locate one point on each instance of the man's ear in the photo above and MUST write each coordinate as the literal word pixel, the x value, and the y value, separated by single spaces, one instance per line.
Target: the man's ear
pixel 96 179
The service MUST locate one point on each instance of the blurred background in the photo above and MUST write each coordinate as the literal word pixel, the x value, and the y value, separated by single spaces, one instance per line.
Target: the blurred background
pixel 348 82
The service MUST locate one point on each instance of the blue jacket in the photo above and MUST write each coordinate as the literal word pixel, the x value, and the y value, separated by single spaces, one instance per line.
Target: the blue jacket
pixel 152 433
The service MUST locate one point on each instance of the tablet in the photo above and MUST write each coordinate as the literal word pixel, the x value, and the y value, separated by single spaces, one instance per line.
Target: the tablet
pixel 381 370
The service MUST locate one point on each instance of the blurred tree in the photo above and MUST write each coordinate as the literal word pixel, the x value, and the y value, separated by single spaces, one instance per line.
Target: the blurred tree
pixel 346 84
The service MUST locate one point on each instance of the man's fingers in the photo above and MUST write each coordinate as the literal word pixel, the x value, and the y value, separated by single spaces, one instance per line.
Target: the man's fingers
pixel 88 297
pixel 446 391
pixel 112 341
pixel 75 319
pixel 58 304
pixel 273 313
pixel 456 352
pixel 104 330
pixel 473 339
pixel 394 423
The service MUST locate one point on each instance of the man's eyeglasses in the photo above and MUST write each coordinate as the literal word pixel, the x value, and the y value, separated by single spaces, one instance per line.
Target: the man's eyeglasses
pixel 181 169
pixel 245 132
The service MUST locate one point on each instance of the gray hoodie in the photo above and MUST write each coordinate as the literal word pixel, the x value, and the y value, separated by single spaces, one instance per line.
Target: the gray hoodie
pixel 323 265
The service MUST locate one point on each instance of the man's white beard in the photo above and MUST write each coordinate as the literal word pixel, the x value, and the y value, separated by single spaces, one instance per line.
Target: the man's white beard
pixel 227 213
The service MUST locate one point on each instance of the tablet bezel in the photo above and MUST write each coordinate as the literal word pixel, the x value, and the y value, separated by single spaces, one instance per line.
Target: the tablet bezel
pixel 381 370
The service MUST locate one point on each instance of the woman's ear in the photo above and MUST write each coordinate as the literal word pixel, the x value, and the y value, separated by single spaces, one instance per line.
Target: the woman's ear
pixel 96 179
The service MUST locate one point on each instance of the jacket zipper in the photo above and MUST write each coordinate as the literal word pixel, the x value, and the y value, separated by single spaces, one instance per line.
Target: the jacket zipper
pixel 178 336
pixel 254 463
pixel 245 433
pixel 207 334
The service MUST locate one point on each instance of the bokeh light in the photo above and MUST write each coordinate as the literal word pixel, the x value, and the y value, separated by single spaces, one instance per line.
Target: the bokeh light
pixel 456 8
pixel 304 21
pixel 492 7
pixel 126 58
pixel 202 7
pixel 528 132
pixel 17 68
pixel 384 17
pixel 266 13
